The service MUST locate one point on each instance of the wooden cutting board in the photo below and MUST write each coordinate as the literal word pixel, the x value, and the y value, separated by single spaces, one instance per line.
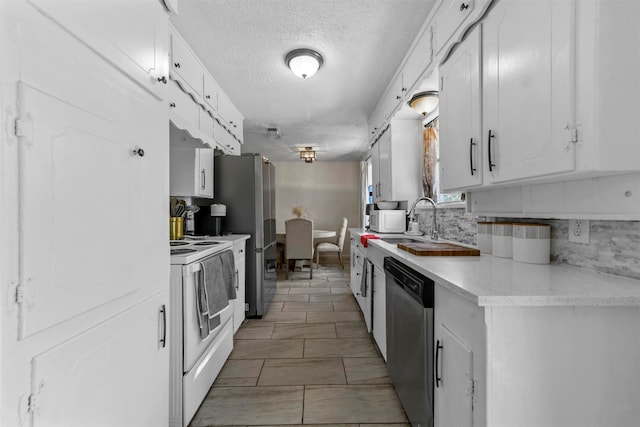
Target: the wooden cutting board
pixel 438 249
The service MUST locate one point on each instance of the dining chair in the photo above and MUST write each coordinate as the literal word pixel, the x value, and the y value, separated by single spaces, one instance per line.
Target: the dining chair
pixel 299 242
pixel 334 247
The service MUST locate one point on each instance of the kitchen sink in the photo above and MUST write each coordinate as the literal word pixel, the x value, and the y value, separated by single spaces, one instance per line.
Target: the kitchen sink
pixel 401 240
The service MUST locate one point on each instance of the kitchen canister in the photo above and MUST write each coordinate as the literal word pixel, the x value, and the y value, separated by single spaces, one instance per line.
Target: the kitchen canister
pixel 532 243
pixel 176 228
pixel 502 239
pixel 485 237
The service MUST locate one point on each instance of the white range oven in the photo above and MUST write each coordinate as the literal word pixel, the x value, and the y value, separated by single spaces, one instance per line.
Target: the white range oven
pixel 195 360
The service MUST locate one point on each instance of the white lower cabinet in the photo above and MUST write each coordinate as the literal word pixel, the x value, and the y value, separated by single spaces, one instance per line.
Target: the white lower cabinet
pixel 379 314
pixel 459 372
pixel 85 377
pixel 239 303
pixel 552 366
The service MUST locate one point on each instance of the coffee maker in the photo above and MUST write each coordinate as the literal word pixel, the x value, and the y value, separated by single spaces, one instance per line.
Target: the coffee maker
pixel 208 221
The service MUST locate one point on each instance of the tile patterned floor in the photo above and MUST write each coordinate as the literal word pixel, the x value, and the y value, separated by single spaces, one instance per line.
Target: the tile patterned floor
pixel 309 361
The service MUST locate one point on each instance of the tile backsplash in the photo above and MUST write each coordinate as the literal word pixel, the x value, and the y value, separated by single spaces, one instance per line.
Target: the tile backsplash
pixel 614 246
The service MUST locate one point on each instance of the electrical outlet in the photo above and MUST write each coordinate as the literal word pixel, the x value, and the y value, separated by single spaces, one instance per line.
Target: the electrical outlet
pixel 579 230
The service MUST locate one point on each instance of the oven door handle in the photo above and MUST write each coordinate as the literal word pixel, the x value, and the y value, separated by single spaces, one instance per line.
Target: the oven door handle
pixel 202 303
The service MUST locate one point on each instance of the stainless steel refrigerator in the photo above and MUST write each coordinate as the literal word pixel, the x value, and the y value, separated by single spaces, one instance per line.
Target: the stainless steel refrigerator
pixel 246 185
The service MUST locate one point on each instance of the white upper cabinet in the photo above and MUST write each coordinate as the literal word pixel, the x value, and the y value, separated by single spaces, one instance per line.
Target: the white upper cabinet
pixel 460 116
pixel 418 60
pixel 396 160
pixel 451 15
pixel 452 20
pixel 528 97
pixel 141 25
pixel 191 172
pixel 185 67
pixel 211 92
pixel 393 96
pixel 195 80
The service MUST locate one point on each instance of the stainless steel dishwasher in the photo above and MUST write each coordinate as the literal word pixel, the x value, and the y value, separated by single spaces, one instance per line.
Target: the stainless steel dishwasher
pixel 409 303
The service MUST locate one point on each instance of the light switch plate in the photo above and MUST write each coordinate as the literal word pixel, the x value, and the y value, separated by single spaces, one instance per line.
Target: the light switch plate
pixel 579 230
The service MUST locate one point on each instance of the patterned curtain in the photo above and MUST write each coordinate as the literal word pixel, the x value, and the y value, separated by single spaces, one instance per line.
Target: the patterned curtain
pixel 429 156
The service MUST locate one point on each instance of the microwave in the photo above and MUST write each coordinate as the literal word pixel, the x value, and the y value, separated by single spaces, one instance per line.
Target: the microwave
pixel 388 221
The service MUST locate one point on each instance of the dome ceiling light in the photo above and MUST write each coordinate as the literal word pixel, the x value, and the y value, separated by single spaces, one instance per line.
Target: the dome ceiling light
pixel 424 102
pixel 303 62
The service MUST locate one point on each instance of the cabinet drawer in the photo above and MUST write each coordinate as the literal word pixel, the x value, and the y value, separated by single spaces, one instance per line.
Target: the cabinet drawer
pixel 185 66
pixel 183 105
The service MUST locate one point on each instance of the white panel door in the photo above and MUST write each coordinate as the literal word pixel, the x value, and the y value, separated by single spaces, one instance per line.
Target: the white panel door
pixel 131 35
pixel 453 376
pixel 528 78
pixel 114 374
pixel 79 182
pixel 460 127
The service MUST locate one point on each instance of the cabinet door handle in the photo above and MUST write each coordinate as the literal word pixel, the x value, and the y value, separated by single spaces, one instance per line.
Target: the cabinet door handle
pixel 162 79
pixel 176 64
pixel 237 282
pixel 203 179
pixel 489 140
pixel 138 152
pixel 163 312
pixel 208 96
pixel 172 105
pixel 471 144
pixel 438 377
pixel 398 97
pixel 464 6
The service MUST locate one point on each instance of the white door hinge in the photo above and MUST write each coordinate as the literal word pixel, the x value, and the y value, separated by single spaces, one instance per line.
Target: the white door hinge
pixel 19 294
pixel 33 406
pixel 18 128
pixel 23 128
pixel 574 135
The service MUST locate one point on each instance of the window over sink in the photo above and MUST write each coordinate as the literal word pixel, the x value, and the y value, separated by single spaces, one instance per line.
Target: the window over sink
pixel 431 167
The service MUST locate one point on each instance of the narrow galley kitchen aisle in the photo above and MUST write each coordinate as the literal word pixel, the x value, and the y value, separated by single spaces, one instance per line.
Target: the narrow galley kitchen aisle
pixel 308 361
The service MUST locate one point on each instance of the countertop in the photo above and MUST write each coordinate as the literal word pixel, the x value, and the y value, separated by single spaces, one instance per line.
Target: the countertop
pixel 492 281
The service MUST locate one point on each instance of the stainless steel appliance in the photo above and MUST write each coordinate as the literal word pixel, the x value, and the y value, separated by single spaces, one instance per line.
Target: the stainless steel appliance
pixel 246 185
pixel 388 221
pixel 195 360
pixel 409 304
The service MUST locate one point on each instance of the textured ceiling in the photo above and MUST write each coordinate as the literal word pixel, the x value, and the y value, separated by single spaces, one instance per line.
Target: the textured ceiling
pixel 243 44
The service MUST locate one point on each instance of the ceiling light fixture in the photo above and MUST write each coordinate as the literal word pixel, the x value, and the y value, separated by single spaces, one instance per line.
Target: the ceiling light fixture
pixel 308 155
pixel 424 102
pixel 303 62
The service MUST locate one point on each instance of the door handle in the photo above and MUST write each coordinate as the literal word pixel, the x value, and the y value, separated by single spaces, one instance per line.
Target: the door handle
pixel 471 144
pixel 438 377
pixel 203 179
pixel 163 312
pixel 490 139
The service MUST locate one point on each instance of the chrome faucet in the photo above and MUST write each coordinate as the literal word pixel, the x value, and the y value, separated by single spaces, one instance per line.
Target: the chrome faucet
pixel 412 215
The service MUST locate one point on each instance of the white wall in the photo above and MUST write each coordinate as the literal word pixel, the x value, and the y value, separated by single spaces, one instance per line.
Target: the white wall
pixel 329 191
